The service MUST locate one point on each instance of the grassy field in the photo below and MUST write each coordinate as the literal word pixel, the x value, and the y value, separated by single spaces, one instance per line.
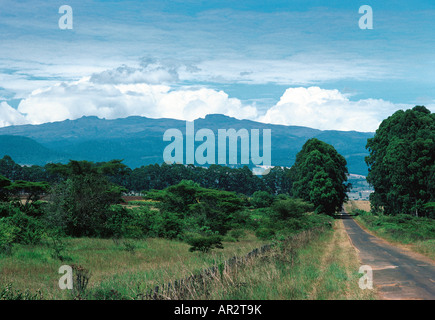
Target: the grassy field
pixel 113 266
pixel 314 267
pixel 417 234
pixel 326 268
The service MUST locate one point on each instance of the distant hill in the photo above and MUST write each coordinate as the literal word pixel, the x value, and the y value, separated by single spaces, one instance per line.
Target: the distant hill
pixel 27 151
pixel 139 140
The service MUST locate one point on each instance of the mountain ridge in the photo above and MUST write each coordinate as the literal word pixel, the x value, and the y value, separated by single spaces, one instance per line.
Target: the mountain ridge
pixel 139 140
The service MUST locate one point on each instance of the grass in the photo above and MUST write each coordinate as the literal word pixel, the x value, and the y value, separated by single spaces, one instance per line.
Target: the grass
pixel 325 268
pixel 353 205
pixel 313 266
pixel 417 234
pixel 112 266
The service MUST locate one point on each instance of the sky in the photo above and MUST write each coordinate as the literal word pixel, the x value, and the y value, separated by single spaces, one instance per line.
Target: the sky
pixel 302 62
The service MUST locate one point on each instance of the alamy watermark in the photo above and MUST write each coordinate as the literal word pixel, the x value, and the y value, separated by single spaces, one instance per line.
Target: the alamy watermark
pixel 66 21
pixel 66 281
pixel 180 151
pixel 366 281
pixel 366 21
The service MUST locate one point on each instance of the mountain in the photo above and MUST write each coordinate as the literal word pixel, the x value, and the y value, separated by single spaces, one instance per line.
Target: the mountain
pixel 139 140
pixel 27 151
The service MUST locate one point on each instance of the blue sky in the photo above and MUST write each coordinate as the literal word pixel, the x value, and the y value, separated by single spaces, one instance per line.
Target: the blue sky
pixel 287 62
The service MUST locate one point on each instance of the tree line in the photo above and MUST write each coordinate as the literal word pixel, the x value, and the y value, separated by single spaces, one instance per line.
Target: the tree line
pixel 156 176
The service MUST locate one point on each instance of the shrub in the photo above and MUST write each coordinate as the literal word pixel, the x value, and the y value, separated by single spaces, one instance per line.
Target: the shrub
pixel 58 248
pixel 171 225
pixel 291 208
pixel 81 280
pixel 265 233
pixel 129 246
pixel 236 234
pixel 31 230
pixel 262 199
pixel 205 244
pixel 8 233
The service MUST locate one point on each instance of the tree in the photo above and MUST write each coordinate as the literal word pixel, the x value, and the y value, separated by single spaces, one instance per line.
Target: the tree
pixel 211 208
pixel 320 176
pixel 10 169
pixel 4 184
pixel 32 190
pixel 278 180
pixel 402 162
pixel 80 204
pixel 262 199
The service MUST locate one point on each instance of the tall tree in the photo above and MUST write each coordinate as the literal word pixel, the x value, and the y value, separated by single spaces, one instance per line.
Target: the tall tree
pixel 402 162
pixel 32 190
pixel 320 176
pixel 4 184
pixel 80 204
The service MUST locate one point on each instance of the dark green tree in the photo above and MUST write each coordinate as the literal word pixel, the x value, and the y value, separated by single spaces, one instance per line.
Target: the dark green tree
pixel 4 184
pixel 10 169
pixel 320 176
pixel 402 162
pixel 80 204
pixel 32 190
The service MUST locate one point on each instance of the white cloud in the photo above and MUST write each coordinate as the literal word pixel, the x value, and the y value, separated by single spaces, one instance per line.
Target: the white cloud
pixel 295 70
pixel 85 98
pixel 151 72
pixel 9 116
pixel 328 110
pixel 152 89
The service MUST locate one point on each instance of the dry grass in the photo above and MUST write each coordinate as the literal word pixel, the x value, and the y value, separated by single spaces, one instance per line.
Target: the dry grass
pixel 352 205
pixel 153 262
pixel 326 268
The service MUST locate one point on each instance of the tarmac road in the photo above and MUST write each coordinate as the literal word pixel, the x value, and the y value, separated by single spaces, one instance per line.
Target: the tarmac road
pixel 397 273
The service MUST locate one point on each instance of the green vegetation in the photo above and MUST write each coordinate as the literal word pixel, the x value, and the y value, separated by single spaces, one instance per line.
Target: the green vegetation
pixel 80 221
pixel 192 218
pixel 312 265
pixel 403 228
pixel 145 178
pixel 402 163
pixel 319 176
pixel 417 232
pixel 112 264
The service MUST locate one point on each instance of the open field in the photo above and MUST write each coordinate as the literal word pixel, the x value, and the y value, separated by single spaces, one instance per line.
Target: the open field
pixel 325 269
pixel 352 205
pixel 153 262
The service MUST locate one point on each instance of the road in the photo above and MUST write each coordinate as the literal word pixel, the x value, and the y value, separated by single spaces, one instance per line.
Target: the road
pixel 397 272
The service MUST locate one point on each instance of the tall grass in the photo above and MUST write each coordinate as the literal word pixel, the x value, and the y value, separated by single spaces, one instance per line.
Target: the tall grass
pixel 113 267
pixel 312 266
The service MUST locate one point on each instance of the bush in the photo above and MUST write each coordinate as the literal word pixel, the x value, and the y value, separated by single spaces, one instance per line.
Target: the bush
pixel 265 233
pixel 129 246
pixel 7 209
pixel 291 208
pixel 8 234
pixel 58 247
pixel 205 244
pixel 171 225
pixel 262 199
pixel 31 230
pixel 236 234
